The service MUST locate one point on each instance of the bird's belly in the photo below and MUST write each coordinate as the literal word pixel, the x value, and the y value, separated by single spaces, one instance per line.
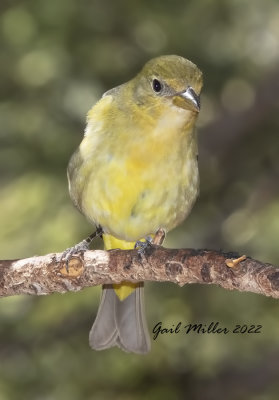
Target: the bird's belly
pixel 131 202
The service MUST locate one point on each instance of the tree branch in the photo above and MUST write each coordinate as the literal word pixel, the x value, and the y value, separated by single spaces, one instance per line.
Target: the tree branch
pixel 45 275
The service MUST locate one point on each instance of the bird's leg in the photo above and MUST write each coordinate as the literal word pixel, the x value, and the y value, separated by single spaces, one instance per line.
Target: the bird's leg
pixel 80 247
pixel 157 239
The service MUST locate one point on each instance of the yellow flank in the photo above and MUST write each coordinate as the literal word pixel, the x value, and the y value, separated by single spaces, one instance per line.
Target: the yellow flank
pixel 121 289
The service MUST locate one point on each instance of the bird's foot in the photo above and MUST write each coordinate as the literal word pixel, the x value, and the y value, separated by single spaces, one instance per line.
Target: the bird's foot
pixel 79 248
pixel 141 246
pixel 157 239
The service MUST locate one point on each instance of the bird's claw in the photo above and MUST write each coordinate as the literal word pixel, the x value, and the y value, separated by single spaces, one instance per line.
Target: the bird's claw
pixel 156 239
pixel 79 248
pixel 141 246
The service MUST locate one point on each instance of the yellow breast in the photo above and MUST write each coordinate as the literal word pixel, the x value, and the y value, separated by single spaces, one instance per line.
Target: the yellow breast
pixel 134 174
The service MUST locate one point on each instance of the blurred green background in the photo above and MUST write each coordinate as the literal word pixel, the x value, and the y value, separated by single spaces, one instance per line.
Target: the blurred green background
pixel 56 59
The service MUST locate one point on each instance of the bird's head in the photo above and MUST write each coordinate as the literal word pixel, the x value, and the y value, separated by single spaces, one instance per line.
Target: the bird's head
pixel 169 81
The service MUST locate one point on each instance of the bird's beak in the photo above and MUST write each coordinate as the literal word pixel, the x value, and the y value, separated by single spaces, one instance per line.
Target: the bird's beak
pixel 192 99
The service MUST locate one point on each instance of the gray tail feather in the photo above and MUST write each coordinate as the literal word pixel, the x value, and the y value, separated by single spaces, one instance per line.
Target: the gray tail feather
pixel 121 323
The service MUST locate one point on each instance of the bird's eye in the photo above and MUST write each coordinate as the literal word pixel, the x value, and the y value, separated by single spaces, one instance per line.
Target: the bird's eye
pixel 157 87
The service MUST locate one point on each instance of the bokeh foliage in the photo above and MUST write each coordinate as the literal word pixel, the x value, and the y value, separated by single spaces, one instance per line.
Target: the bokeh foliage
pixel 56 59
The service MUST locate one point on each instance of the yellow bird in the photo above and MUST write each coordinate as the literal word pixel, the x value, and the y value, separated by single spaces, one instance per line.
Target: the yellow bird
pixel 135 172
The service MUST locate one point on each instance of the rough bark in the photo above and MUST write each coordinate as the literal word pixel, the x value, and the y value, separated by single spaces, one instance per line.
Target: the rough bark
pixel 45 275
